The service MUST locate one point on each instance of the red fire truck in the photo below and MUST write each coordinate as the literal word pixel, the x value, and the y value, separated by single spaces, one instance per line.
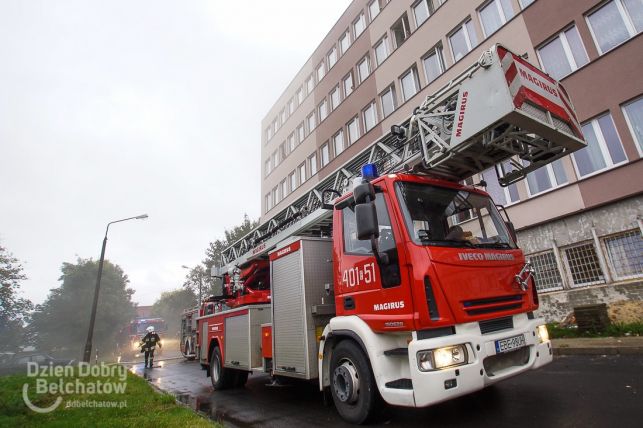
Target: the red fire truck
pixel 130 336
pixel 406 287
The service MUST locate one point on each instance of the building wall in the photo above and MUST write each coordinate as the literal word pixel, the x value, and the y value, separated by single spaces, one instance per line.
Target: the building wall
pixel 573 228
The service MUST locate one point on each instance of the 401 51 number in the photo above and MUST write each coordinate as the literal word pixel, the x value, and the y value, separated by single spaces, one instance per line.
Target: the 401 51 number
pixel 359 275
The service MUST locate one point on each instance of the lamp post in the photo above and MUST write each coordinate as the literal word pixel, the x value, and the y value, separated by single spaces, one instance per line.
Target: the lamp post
pixel 92 319
pixel 200 280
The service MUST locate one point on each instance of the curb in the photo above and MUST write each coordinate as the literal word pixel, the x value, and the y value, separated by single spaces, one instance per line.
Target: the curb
pixel 597 350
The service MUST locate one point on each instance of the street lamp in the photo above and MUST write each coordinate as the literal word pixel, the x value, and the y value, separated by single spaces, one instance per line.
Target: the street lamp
pixel 90 333
pixel 200 281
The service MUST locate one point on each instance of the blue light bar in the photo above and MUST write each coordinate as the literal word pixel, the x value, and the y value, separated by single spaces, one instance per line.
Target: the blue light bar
pixel 369 171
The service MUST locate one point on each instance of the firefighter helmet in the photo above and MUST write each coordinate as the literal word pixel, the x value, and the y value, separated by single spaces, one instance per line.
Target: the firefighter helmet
pixel 150 329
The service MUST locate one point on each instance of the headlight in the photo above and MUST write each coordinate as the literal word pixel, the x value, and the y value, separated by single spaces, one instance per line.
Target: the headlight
pixel 442 358
pixel 543 334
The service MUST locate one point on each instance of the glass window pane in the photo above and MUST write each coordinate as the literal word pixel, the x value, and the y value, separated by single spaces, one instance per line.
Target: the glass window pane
pixel 525 3
pixel 559 172
pixel 609 28
pixel 611 139
pixel 325 155
pixel 635 10
pixel 338 143
pixel 538 181
pixel 433 65
pixel 381 51
pixel 634 113
pixel 507 9
pixel 471 32
pixel 554 59
pixel 370 118
pixel 388 102
pixel 408 85
pixel 421 12
pixel 332 57
pixel 490 18
pixel 374 9
pixel 576 45
pixel 459 45
pixel 348 85
pixel 493 186
pixel 590 158
pixel 353 131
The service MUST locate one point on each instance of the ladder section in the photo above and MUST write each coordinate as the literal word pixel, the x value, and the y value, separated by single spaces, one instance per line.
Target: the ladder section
pixel 501 112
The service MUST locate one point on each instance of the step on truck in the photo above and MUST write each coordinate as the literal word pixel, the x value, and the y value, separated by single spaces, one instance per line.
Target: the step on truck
pixel 390 280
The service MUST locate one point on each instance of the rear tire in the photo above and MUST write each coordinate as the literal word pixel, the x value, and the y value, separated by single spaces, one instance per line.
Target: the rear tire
pixel 220 377
pixel 353 385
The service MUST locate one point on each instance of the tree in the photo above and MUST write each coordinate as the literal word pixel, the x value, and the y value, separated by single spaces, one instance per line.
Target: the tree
pixel 170 306
pixel 14 310
pixel 61 322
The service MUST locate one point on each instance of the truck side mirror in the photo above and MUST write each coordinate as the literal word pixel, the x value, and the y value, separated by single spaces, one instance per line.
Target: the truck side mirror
pixel 366 219
pixel 363 193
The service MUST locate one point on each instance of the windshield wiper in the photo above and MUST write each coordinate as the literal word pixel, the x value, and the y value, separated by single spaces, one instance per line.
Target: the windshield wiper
pixel 449 242
pixel 494 245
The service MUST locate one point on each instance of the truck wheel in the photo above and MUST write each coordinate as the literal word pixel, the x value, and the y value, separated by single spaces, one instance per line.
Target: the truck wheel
pixel 353 386
pixel 241 378
pixel 221 377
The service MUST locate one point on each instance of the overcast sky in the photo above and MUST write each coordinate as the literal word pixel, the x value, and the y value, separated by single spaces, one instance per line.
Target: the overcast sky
pixel 110 109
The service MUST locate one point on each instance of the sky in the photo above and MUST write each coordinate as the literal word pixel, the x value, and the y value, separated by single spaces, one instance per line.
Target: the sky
pixel 112 109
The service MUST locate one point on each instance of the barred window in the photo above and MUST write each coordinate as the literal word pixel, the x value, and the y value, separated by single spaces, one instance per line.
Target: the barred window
pixel 625 252
pixel 583 265
pixel 546 273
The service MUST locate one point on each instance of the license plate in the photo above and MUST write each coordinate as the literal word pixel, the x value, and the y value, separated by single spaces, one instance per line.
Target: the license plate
pixel 510 343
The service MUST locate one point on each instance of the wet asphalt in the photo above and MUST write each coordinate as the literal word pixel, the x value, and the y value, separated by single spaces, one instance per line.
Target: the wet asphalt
pixel 573 391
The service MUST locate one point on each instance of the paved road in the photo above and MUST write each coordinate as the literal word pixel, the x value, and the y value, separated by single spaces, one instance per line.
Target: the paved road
pixel 573 391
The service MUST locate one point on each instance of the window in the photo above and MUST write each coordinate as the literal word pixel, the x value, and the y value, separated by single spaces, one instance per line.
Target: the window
pixel 282 114
pixel 310 121
pixel 353 130
pixel 267 200
pixel 284 189
pixel 409 84
pixel 275 196
pixel 325 155
pixel 359 25
pixel 563 54
pixel 400 31
pixel 625 254
pixel 312 164
pixel 381 50
pixel 275 158
pixel 546 177
pixel 546 273
pixel 301 133
pixel 292 143
pixel 433 64
pixel 344 43
pixel 300 96
pixel 293 181
pixel 501 195
pixel 463 40
pixel 374 9
pixel 387 99
pixel 338 142
pixel 494 15
pixel 616 22
pixel 321 71
pixel 266 168
pixel 370 117
pixel 525 3
pixel 634 117
pixel 334 98
pixel 603 149
pixel 302 172
pixel 291 106
pixel 332 57
pixel 310 85
pixel 322 109
pixel 363 69
pixel 347 84
pixel 421 12
pixel 269 132
pixel 583 265
pixel 282 150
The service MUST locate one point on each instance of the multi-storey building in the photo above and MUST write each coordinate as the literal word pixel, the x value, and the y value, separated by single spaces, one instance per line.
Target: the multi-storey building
pixel 578 219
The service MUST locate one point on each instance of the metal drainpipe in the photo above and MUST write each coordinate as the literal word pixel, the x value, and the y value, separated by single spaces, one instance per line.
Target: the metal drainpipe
pixel 601 257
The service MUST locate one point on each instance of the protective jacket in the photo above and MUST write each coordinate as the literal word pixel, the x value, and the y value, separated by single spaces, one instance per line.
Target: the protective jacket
pixel 149 342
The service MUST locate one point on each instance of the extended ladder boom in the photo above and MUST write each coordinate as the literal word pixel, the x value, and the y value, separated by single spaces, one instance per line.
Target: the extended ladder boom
pixel 501 112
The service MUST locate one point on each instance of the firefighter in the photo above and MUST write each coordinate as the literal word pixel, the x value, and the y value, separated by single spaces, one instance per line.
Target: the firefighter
pixel 148 344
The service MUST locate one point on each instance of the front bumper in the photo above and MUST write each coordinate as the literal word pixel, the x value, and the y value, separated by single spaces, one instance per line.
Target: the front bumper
pixel 485 366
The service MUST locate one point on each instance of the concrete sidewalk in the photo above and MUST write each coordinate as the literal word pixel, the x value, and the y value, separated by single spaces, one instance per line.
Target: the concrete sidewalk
pixel 599 346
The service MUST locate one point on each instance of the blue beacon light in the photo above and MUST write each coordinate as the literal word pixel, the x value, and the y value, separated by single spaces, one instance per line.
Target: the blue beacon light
pixel 369 171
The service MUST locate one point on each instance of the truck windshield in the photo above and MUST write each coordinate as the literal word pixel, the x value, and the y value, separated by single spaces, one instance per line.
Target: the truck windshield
pixel 450 217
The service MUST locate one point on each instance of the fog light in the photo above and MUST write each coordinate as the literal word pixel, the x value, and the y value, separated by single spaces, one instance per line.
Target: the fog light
pixel 543 334
pixel 442 358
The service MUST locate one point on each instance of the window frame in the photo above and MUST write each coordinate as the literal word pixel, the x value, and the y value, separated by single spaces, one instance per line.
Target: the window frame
pixel 335 138
pixel 625 16
pixel 467 39
pixel 501 14
pixel 379 9
pixel 324 104
pixel 322 67
pixel 428 12
pixel 360 18
pixel 439 51
pixel 569 55
pixel 310 117
pixel 552 180
pixel 336 90
pixel 416 82
pixel 344 79
pixel 638 144
pixel 345 36
pixel 609 164
pixel 354 120
pixel 312 161
pixel 372 105
pixel 302 177
pixel 390 89
pixel 365 59
pixel 332 51
pixel 321 152
pixel 383 41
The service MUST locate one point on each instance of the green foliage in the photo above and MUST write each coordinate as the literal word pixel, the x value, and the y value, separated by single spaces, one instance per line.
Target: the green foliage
pixel 170 306
pixel 557 331
pixel 144 407
pixel 60 324
pixel 14 310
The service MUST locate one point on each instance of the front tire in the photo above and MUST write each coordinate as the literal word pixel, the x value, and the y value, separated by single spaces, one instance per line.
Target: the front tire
pixel 220 377
pixel 353 385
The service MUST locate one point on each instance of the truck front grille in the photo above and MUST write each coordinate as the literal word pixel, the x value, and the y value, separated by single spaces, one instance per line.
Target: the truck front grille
pixel 497 324
pixel 496 363
pixel 492 304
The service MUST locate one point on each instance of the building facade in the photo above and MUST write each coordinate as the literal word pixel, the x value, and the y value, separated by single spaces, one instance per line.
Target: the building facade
pixel 578 219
